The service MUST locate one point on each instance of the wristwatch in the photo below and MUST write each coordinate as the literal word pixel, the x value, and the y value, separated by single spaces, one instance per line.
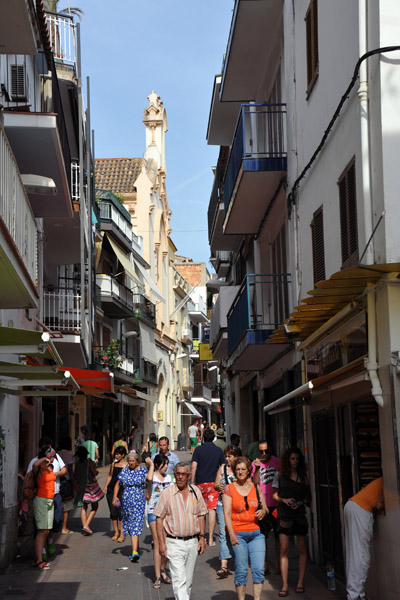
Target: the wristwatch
pixel 203 535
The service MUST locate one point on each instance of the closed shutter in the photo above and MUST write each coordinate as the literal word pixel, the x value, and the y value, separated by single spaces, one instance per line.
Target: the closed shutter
pixel 318 249
pixel 18 91
pixel 348 216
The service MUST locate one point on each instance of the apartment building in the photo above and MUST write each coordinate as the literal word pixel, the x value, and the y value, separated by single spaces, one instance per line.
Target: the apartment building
pixel 302 232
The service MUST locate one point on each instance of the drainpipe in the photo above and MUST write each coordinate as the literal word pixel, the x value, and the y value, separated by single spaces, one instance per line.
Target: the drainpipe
pixel 371 364
pixel 364 132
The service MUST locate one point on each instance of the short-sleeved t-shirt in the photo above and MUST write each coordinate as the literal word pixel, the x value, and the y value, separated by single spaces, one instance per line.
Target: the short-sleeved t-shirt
pixel 193 431
pixel 267 474
pixel 209 458
pixel 91 447
pixel 369 496
pixel 58 464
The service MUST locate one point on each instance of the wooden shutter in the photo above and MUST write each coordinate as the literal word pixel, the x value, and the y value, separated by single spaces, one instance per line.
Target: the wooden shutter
pixel 348 216
pixel 318 249
pixel 311 20
pixel 18 91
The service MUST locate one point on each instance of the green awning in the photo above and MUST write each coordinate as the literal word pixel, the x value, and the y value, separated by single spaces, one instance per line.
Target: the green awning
pixel 27 342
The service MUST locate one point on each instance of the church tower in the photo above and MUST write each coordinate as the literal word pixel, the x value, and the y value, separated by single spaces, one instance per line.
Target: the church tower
pixel 155 120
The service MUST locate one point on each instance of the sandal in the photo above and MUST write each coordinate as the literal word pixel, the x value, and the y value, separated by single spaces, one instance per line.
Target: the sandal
pixel 115 537
pixel 157 583
pixel 223 572
pixel 283 593
pixel 121 538
pixel 42 565
pixel 164 576
pixel 300 589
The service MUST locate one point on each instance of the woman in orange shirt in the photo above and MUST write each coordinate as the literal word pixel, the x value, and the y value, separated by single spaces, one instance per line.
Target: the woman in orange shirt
pixel 242 513
pixel 43 504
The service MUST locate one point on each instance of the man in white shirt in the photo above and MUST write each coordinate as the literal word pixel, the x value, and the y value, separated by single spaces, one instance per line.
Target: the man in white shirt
pixel 192 435
pixel 59 470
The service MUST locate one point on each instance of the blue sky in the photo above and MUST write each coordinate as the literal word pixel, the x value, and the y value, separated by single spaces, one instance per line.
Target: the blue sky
pixel 175 47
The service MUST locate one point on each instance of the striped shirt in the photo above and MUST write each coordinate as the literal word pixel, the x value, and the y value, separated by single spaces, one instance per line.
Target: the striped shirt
pixel 181 518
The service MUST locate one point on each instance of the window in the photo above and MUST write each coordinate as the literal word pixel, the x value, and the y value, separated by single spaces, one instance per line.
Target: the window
pixel 348 216
pixel 317 233
pixel 279 268
pixel 312 44
pixel 18 87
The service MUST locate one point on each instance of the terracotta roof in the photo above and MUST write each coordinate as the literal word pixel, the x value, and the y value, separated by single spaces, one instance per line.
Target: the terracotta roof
pixel 118 174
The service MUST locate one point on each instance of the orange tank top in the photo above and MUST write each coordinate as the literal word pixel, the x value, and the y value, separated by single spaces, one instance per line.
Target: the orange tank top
pixel 243 518
pixel 45 481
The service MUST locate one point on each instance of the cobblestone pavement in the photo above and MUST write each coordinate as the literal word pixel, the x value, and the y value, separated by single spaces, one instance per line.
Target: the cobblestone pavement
pixel 86 567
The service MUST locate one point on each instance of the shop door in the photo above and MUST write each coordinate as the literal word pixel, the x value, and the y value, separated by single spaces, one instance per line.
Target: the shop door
pixel 327 490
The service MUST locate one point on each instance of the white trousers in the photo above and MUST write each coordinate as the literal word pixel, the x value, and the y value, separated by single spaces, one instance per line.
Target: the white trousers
pixel 182 555
pixel 358 526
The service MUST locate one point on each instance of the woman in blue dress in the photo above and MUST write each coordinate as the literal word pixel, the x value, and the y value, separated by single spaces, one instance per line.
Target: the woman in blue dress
pixel 133 480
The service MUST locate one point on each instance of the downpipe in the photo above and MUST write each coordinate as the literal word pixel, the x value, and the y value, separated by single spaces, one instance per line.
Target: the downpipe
pixel 371 363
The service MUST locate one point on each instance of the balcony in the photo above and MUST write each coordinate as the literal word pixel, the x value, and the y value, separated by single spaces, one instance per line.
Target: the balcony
pixel 148 372
pixel 187 334
pixel 116 298
pixel 219 323
pixel 144 309
pixel 221 262
pixel 62 314
pixel 222 118
pixel 187 381
pixel 254 40
pixel 62 31
pixel 18 236
pixel 114 218
pixel 201 394
pixel 19 33
pixel 216 209
pixel 257 163
pixel 260 306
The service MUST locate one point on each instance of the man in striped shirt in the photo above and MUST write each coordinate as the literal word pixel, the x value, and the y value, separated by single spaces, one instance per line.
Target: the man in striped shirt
pixel 180 514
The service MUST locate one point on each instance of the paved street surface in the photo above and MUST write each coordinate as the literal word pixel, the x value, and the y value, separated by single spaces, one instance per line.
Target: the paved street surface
pixel 86 568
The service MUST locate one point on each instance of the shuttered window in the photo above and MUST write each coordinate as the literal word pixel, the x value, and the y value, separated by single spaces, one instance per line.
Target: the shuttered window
pixel 279 266
pixel 311 20
pixel 318 250
pixel 348 216
pixel 18 91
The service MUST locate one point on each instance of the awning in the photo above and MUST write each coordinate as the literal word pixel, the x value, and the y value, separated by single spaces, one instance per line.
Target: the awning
pixel 354 372
pixel 92 382
pixel 193 410
pixel 27 342
pixel 125 261
pixel 14 375
pixel 145 396
pixel 149 280
pixel 327 299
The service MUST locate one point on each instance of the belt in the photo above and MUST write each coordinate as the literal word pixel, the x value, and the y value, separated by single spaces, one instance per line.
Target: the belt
pixel 185 537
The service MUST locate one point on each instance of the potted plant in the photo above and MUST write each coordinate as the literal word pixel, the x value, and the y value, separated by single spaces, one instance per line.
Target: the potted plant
pixel 110 356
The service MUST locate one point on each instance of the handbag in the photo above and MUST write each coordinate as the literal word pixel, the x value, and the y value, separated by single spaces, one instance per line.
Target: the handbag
pixel 66 489
pixel 93 492
pixel 264 523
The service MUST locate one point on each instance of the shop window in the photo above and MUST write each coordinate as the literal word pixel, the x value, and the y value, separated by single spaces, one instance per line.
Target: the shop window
pixel 348 216
pixel 311 20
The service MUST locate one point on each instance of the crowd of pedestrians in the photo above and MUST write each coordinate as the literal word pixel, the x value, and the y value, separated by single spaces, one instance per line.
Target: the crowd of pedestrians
pixel 247 497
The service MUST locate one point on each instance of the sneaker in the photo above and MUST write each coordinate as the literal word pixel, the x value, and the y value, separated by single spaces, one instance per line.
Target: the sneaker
pixel 135 557
pixel 51 548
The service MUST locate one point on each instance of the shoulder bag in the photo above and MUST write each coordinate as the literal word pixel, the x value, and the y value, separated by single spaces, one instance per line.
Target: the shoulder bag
pixel 264 524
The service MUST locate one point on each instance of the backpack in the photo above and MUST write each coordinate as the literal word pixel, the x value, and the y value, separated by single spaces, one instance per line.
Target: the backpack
pixel 29 486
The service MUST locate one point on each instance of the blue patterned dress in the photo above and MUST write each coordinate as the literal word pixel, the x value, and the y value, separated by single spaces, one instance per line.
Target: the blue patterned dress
pixel 133 499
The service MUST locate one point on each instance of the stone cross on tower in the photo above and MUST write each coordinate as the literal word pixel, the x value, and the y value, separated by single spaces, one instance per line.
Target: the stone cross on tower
pixel 155 120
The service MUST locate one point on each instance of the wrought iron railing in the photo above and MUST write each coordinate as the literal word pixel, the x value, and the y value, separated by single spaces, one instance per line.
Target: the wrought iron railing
pixel 262 303
pixel 144 308
pixel 15 209
pixel 62 310
pixel 259 134
pixel 62 31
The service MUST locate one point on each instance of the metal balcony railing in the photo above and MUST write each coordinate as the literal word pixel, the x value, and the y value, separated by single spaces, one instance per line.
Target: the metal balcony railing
pixel 260 134
pixel 109 286
pixel 62 31
pixel 217 193
pixel 15 209
pixel 144 308
pixel 62 311
pixel 262 303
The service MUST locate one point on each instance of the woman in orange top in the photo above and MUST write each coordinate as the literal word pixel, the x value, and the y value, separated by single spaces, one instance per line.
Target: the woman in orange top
pixel 242 513
pixel 43 504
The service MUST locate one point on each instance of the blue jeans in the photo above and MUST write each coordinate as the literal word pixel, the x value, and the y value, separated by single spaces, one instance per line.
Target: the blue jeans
pixel 251 543
pixel 224 544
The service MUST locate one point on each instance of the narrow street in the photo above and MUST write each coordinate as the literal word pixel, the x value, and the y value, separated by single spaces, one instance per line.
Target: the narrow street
pixel 86 567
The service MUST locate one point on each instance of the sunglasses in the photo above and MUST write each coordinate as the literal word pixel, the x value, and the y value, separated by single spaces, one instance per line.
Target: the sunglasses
pixel 246 503
pixel 265 451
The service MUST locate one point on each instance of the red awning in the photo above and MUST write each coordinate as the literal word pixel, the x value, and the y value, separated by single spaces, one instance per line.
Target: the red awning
pixel 92 382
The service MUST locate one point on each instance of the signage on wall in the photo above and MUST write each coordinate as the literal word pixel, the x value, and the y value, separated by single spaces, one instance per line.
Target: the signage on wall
pixel 205 352
pixel 160 415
